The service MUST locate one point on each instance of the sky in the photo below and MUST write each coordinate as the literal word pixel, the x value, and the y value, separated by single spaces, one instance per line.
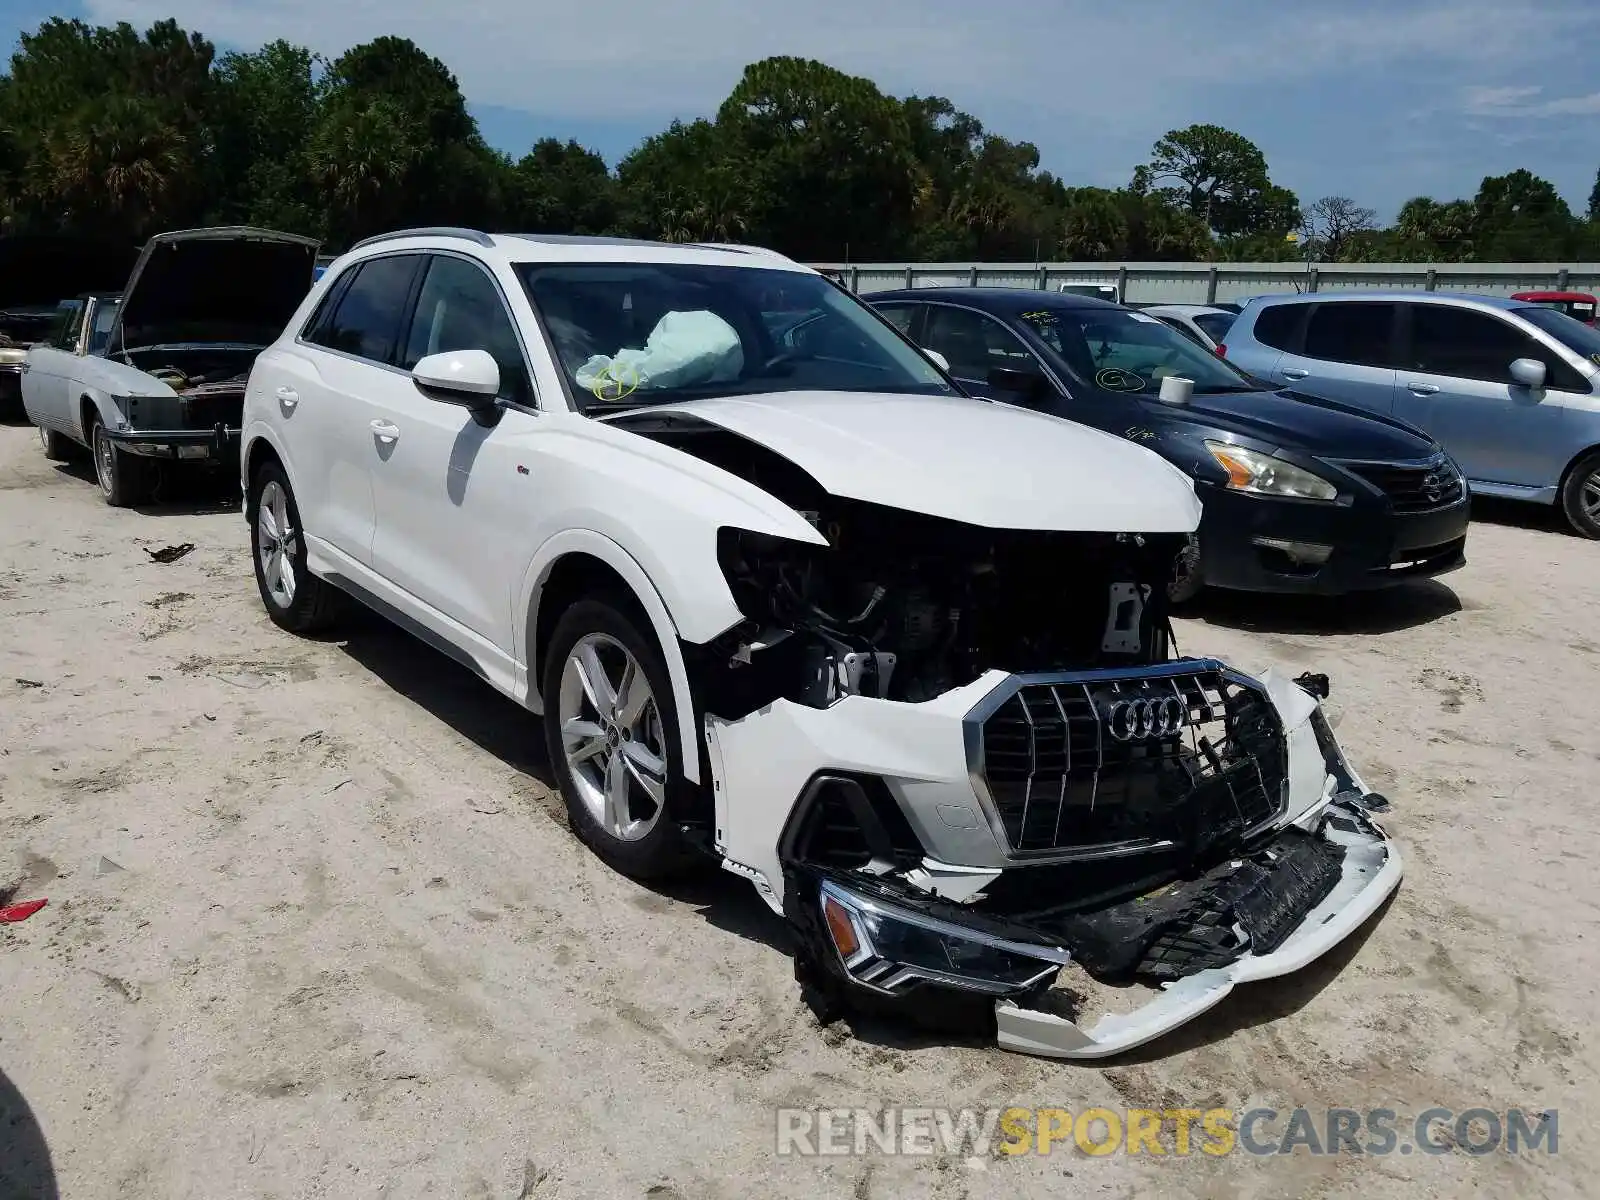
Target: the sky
pixel 1378 100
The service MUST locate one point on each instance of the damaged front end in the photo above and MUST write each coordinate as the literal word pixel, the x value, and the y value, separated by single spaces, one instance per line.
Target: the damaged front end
pixel 966 766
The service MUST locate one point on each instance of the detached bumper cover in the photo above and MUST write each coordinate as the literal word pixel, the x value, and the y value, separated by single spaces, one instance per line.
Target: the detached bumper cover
pixel 1371 871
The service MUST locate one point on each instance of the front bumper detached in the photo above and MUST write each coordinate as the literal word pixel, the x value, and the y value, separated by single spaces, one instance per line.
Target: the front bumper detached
pixel 891 838
pixel 1286 905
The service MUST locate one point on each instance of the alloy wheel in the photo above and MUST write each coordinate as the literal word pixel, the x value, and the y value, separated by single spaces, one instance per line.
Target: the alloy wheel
pixel 611 737
pixel 276 543
pixel 1589 497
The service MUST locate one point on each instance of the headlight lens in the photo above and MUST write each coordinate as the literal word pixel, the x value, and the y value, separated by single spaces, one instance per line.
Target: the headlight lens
pixel 892 949
pixel 1263 475
pixel 11 355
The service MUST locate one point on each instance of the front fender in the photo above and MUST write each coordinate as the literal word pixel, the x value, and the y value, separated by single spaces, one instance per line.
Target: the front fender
pixel 595 545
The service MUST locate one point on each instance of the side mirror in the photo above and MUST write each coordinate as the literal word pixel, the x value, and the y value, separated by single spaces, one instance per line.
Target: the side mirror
pixel 937 359
pixel 470 378
pixel 1019 380
pixel 1528 373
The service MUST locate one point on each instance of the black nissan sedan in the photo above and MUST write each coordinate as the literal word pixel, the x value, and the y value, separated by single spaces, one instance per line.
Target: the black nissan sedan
pixel 1300 494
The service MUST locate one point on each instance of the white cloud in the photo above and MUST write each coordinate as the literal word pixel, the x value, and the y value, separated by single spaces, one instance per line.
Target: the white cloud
pixel 1524 102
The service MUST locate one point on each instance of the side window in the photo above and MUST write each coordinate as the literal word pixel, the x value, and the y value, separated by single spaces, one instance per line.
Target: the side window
pixel 973 343
pixel 1277 324
pixel 316 328
pixel 901 316
pixel 68 322
pixel 459 308
pixel 1354 332
pixel 366 319
pixel 1467 344
pixel 1182 328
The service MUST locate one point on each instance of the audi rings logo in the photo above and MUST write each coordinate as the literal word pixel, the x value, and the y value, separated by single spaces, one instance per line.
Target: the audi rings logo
pixel 1138 717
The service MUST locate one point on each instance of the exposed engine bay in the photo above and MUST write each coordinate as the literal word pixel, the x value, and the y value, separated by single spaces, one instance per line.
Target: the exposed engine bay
pixel 904 606
pixel 210 382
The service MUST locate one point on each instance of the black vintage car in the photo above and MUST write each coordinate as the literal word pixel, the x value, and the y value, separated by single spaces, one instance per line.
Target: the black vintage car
pixel 1299 494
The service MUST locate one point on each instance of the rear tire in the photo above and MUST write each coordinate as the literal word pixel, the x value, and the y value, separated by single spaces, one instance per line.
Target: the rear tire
pixel 615 748
pixel 1580 496
pixel 125 479
pixel 56 447
pixel 294 598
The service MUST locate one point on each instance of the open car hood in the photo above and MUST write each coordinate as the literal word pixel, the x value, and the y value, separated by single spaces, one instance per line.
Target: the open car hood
pixel 229 284
pixel 982 463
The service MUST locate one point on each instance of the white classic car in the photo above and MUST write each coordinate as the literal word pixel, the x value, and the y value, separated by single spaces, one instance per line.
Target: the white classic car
pixel 158 371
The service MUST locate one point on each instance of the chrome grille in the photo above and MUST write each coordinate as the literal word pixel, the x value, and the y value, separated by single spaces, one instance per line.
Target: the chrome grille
pixel 1413 487
pixel 1061 776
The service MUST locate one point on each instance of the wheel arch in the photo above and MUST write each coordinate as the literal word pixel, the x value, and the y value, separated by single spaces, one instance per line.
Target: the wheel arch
pixel 259 448
pixel 577 563
pixel 1572 465
pixel 92 402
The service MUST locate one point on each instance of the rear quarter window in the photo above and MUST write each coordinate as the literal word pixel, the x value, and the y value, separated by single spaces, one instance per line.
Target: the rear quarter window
pixel 1277 324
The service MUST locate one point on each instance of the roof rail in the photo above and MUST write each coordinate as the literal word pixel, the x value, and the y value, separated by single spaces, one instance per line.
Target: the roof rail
pixel 451 231
pixel 742 248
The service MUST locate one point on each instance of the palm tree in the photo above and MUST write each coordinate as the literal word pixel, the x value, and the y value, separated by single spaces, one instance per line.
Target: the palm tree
pixel 119 160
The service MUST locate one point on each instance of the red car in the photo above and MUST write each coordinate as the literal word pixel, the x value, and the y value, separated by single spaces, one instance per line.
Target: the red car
pixel 1577 305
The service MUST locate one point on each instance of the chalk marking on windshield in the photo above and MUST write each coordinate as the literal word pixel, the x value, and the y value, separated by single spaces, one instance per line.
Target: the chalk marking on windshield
pixel 602 386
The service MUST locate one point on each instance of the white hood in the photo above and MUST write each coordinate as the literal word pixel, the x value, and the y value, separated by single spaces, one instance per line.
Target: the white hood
pixel 967 460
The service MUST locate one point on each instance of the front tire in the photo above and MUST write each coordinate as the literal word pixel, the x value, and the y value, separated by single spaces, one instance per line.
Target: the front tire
pixel 55 446
pixel 124 478
pixel 611 730
pixel 294 598
pixel 1580 496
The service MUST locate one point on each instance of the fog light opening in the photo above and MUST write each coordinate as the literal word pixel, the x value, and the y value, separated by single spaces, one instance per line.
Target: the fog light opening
pixel 1301 554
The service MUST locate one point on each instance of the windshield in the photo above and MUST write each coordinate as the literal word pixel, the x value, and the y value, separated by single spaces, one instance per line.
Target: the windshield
pixel 1120 351
pixel 630 334
pixel 1574 335
pixel 105 312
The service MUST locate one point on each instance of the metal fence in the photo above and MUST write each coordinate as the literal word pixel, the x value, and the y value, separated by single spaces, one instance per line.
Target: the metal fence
pixel 1205 283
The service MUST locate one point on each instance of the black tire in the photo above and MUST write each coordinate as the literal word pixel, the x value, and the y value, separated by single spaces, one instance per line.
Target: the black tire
pixel 1583 484
pixel 125 479
pixel 311 604
pixel 56 446
pixel 662 851
pixel 1190 578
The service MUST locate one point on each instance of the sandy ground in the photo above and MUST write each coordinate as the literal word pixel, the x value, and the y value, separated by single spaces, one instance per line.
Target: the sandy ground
pixel 317 928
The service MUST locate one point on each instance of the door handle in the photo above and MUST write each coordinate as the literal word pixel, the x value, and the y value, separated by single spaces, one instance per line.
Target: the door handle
pixel 386 431
pixel 288 397
pixel 1295 373
pixel 1422 389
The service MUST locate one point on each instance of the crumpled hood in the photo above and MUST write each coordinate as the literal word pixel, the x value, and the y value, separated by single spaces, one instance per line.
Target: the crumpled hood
pixel 987 464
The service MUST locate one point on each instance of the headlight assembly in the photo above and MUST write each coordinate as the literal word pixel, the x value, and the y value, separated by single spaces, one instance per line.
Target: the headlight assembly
pixel 1263 475
pixel 891 949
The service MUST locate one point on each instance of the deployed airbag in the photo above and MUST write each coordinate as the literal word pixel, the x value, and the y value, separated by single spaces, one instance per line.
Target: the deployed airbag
pixel 684 349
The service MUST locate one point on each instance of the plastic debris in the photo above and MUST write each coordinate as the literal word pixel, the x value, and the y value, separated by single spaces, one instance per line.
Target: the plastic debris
pixel 13 913
pixel 106 867
pixel 30 683
pixel 169 554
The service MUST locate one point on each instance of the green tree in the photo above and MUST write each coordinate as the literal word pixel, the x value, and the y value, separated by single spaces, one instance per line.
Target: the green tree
pixel 395 145
pixel 1220 177
pixel 827 159
pixel 1521 218
pixel 561 187
pixel 268 104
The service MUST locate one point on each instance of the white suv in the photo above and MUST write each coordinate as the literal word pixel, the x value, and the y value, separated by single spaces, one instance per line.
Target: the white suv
pixel 787 599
